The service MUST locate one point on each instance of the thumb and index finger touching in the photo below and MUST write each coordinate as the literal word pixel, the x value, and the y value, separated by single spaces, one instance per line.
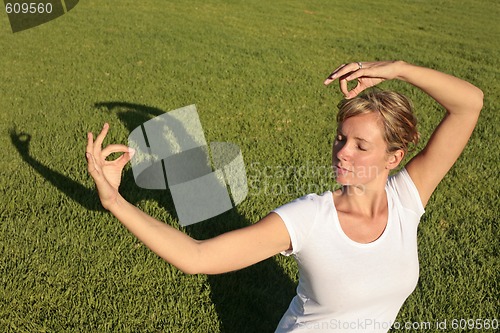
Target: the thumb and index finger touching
pixel 360 71
pixel 346 73
pixel 96 155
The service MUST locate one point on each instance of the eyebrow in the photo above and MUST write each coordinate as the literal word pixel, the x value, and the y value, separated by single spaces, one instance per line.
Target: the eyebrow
pixel 361 139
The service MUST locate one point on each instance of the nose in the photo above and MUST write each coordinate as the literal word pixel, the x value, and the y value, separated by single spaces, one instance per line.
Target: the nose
pixel 340 151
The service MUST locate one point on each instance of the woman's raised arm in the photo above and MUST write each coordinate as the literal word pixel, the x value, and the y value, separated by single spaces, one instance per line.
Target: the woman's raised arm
pixel 463 103
pixel 461 100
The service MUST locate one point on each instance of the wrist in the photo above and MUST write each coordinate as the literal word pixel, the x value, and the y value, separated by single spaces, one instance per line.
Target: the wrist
pixel 401 68
pixel 116 204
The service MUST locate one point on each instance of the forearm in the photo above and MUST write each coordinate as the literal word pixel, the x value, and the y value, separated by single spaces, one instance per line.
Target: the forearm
pixel 172 245
pixel 457 96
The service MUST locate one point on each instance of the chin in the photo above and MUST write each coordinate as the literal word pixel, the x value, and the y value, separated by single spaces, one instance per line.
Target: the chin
pixel 350 180
pixel 344 181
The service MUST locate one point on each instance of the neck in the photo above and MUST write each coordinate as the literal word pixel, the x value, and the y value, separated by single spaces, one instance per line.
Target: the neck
pixel 364 200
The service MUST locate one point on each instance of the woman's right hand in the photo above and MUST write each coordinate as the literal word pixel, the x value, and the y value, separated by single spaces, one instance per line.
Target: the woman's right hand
pixel 106 174
pixel 367 74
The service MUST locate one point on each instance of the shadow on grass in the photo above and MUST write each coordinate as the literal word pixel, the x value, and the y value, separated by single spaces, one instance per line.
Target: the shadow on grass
pixel 76 191
pixel 249 300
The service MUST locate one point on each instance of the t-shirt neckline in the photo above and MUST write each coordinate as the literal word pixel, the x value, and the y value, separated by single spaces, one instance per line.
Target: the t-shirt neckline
pixel 353 242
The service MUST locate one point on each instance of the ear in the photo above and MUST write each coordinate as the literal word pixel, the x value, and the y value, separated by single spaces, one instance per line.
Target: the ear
pixel 394 158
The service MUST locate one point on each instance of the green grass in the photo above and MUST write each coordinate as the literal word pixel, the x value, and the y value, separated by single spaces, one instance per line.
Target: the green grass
pixel 255 70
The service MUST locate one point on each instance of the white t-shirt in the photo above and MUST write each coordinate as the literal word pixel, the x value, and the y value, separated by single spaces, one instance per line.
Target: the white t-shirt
pixel 347 286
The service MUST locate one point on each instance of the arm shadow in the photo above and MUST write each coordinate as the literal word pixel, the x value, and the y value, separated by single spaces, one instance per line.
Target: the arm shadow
pixel 74 190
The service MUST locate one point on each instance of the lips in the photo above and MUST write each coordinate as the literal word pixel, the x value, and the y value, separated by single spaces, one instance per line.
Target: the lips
pixel 341 170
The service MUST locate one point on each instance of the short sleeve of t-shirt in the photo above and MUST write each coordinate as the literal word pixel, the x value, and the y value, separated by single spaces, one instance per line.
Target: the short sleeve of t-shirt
pixel 299 217
pixel 405 190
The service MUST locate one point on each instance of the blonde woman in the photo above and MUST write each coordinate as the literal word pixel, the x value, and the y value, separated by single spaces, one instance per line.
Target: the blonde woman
pixel 356 247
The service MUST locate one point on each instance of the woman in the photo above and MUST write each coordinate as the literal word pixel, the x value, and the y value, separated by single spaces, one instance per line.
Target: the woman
pixel 356 247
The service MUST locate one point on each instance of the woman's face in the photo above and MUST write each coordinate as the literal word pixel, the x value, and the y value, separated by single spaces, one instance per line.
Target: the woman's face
pixel 359 152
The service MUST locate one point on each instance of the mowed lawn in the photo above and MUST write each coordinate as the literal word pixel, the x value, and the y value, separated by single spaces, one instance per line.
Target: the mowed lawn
pixel 254 69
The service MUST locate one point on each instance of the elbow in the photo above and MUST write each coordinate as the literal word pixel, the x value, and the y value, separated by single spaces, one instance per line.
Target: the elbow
pixel 190 270
pixel 197 269
pixel 478 100
pixel 472 103
pixel 201 262
pixel 188 260
pixel 193 265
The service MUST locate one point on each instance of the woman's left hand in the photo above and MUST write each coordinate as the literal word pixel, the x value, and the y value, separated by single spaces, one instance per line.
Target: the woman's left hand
pixel 368 74
pixel 106 174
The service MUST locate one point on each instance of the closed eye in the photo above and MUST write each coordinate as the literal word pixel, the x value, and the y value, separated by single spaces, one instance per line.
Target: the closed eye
pixel 342 138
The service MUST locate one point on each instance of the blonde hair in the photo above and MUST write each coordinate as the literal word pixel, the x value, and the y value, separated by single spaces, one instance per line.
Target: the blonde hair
pixel 396 116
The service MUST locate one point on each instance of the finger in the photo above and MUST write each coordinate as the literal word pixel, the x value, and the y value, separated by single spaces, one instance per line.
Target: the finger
pixel 355 91
pixel 116 148
pixel 343 86
pixel 333 75
pixel 90 142
pixel 357 74
pixel 342 71
pixel 89 151
pixel 92 166
pixel 101 136
pixel 124 159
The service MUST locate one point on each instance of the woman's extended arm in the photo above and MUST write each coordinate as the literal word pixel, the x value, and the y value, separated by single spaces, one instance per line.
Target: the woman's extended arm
pixel 227 252
pixel 462 101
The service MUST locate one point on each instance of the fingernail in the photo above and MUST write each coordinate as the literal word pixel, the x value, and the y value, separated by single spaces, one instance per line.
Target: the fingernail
pixel 331 77
pixel 131 151
pixel 87 155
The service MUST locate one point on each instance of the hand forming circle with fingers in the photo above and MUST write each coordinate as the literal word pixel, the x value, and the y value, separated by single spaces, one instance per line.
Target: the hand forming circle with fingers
pixel 106 173
pixel 367 74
